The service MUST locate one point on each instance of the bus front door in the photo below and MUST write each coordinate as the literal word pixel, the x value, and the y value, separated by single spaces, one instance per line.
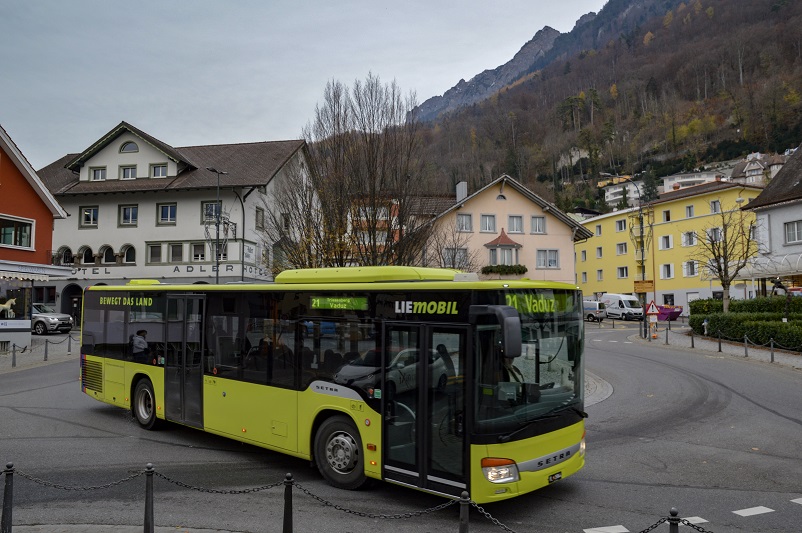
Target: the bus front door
pixel 183 365
pixel 424 407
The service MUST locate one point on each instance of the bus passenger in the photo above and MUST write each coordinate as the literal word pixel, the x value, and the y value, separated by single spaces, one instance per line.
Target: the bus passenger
pixel 139 346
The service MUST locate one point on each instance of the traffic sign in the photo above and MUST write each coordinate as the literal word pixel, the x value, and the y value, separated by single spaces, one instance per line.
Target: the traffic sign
pixel 651 309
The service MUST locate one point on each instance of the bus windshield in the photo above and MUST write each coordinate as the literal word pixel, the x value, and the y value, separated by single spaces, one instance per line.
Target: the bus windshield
pixel 546 378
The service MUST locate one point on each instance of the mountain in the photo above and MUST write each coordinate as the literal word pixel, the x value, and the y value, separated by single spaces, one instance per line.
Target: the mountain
pixel 547 46
pixel 489 82
pixel 659 86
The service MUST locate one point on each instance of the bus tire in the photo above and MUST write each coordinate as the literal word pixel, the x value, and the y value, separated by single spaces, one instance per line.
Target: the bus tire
pixel 339 455
pixel 143 405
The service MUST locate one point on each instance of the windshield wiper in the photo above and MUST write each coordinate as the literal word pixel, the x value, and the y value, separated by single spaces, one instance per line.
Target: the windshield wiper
pixel 580 412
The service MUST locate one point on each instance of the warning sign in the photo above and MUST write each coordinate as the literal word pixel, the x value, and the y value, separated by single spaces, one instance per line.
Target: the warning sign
pixel 651 309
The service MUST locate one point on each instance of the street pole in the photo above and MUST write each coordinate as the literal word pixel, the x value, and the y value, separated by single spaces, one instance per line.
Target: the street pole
pixel 642 261
pixel 217 209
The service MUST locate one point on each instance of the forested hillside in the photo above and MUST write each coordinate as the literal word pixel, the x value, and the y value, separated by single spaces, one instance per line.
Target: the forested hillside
pixel 704 81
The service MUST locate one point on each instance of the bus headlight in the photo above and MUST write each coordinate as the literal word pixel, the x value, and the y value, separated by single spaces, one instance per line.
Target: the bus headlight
pixel 500 470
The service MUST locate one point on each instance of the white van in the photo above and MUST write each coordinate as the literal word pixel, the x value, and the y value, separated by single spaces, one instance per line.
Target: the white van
pixel 594 311
pixel 622 306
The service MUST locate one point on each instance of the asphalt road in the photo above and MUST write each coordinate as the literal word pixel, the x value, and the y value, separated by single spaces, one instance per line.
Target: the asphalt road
pixel 710 434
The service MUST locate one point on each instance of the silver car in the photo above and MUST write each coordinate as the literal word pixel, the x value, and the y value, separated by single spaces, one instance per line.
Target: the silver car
pixel 45 319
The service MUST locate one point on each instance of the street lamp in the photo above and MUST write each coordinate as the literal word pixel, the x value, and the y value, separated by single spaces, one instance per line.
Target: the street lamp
pixel 217 226
pixel 642 251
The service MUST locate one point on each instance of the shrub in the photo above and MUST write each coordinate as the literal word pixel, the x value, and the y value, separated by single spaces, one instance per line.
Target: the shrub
pixel 505 270
pixel 706 307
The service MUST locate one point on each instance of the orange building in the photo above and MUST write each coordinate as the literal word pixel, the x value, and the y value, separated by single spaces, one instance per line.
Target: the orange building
pixel 27 212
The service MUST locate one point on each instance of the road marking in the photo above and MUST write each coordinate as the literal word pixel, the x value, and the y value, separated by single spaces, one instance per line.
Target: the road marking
pixel 607 529
pixel 695 520
pixel 753 511
pixel 612 341
pixel 798 500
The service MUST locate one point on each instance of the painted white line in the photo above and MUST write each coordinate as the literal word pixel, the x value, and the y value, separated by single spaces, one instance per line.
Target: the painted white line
pixel 798 500
pixel 607 529
pixel 612 341
pixel 597 340
pixel 696 520
pixel 753 511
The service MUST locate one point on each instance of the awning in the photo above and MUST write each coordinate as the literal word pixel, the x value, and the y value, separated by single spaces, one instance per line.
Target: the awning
pixel 773 266
pixel 31 271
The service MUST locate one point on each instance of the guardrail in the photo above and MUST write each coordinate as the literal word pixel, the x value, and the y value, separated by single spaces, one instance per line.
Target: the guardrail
pixel 41 348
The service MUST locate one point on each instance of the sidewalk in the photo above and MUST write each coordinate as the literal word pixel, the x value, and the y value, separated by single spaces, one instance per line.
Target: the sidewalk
pixel 679 337
pixel 59 348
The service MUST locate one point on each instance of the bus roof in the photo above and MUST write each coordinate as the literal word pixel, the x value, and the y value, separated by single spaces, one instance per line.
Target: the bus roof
pixel 365 274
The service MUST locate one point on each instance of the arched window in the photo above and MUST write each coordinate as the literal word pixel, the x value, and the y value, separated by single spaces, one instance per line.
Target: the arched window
pixel 108 255
pixel 88 257
pixel 65 256
pixel 129 148
pixel 130 255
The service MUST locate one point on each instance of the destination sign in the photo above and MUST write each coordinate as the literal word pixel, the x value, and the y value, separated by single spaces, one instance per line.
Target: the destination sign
pixel 348 303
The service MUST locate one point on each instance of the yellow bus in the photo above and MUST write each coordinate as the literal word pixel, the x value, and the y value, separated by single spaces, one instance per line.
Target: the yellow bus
pixel 422 377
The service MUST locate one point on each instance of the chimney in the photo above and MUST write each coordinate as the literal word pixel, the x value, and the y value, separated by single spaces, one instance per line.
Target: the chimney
pixel 462 190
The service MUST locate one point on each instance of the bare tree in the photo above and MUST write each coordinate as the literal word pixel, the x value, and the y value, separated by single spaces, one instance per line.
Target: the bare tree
pixel 725 249
pixel 365 149
pixel 292 228
pixel 448 247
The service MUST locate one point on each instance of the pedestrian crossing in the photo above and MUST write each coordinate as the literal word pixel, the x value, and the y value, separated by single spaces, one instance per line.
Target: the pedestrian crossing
pixel 695 520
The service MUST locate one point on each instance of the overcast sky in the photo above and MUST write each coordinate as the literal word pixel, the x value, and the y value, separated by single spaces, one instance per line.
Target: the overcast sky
pixel 227 71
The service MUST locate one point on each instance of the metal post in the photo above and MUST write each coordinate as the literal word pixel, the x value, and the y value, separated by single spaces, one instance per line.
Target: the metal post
pixel 69 344
pixel 746 346
pixel 149 526
pixel 673 521
pixel 771 341
pixel 719 340
pixel 667 334
pixel 8 499
pixel 13 355
pixel 464 511
pixel 47 343
pixel 692 346
pixel 288 482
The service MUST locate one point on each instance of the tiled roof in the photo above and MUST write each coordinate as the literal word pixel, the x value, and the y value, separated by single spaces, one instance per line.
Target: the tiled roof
pixel 502 240
pixel 786 186
pixel 247 165
pixel 703 188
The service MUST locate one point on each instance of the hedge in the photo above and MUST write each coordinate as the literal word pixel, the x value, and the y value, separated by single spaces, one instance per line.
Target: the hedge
pixel 505 270
pixel 759 328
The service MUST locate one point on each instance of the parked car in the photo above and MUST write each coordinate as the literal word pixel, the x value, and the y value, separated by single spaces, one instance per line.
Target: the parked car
pixel 594 311
pixel 45 319
pixel 402 372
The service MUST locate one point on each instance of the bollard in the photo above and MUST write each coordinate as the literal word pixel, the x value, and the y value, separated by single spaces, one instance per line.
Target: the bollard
pixel 673 521
pixel 692 346
pixel 13 355
pixel 288 482
pixel 69 344
pixel 746 346
pixel 47 343
pixel 771 341
pixel 668 328
pixel 8 499
pixel 464 511
pixel 719 340
pixel 149 526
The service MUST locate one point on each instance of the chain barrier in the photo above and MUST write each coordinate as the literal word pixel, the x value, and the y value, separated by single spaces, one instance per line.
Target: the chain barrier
pixel 217 491
pixel 653 526
pixel 373 515
pixel 69 487
pixel 398 516
pixel 490 517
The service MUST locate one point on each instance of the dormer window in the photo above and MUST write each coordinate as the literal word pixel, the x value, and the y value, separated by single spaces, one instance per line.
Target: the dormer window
pixel 129 148
pixel 159 171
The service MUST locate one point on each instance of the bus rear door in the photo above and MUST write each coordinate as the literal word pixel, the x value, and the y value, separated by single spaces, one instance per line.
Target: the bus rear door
pixel 424 406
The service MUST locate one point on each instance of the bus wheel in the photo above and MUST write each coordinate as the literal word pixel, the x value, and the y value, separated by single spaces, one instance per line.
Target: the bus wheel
pixel 144 404
pixel 338 453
